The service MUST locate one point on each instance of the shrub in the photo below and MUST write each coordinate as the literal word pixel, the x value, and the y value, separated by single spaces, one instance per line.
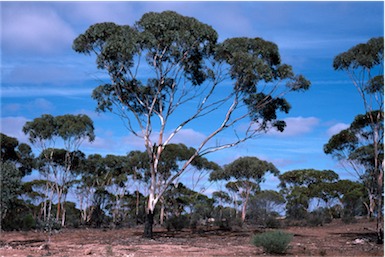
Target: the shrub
pixel 28 222
pixel 235 224
pixel 319 217
pixel 177 223
pixel 272 222
pixel 348 217
pixel 273 242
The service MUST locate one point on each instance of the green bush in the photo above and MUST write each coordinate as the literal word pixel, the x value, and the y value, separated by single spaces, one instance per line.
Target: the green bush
pixel 28 222
pixel 272 222
pixel 319 217
pixel 273 242
pixel 177 223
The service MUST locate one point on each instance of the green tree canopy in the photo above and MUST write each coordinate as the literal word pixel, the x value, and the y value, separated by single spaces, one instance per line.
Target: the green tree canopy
pixel 57 165
pixel 72 129
pixel 10 186
pixel 300 186
pixel 244 175
pixel 18 153
pixel 166 61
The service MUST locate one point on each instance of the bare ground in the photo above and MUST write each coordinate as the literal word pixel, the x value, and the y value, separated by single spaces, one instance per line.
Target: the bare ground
pixel 335 239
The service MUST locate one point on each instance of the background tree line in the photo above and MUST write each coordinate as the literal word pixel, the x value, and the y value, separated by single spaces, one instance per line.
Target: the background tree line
pixel 111 191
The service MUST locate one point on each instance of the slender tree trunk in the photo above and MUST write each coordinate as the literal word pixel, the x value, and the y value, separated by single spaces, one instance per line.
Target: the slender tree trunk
pixel 44 209
pixel 379 178
pixel 137 207
pixel 58 205
pixel 380 216
pixel 161 212
pixel 244 207
pixel 63 216
pixel 243 212
pixel 49 206
pixel 63 210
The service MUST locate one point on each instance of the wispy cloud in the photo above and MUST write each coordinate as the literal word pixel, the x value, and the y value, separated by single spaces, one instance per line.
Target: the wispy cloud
pixel 34 29
pixel 335 129
pixel 87 13
pixel 296 126
pixel 107 142
pixel 189 137
pixel 12 126
pixel 30 91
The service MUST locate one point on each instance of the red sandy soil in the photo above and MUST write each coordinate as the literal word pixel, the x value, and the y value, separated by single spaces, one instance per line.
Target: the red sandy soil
pixel 334 239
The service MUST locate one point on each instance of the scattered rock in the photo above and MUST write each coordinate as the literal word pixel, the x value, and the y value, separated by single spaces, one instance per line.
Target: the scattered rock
pixel 88 252
pixel 359 241
pixel 44 247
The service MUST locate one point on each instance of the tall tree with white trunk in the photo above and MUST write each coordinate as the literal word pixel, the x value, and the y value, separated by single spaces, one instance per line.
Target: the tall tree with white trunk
pixel 168 72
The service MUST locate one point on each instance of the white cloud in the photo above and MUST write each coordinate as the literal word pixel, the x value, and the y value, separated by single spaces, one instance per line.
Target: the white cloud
pixel 41 104
pixel 11 108
pixel 12 127
pixel 188 137
pixel 31 91
pixel 296 126
pixel 33 29
pixel 94 12
pixel 337 128
pixel 102 145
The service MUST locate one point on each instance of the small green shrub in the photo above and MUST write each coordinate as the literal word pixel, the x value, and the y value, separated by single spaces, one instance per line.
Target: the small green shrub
pixel 319 217
pixel 177 223
pixel 273 242
pixel 272 222
pixel 28 222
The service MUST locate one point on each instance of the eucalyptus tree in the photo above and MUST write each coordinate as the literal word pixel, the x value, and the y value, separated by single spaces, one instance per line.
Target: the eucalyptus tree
pixel 18 153
pixel 10 186
pixel 173 158
pixel 119 168
pixel 301 186
pixel 353 197
pixel 60 170
pixel 94 176
pixel 138 163
pixel 103 174
pixel 265 205
pixel 364 64
pixel 245 176
pixel 168 71
pixel 220 199
pixel 354 149
pixel 57 167
pixel 17 161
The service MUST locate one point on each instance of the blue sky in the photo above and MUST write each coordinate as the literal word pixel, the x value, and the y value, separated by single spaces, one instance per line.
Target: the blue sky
pixel 40 73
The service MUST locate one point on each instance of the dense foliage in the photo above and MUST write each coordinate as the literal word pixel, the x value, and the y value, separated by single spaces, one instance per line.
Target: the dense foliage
pixel 273 242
